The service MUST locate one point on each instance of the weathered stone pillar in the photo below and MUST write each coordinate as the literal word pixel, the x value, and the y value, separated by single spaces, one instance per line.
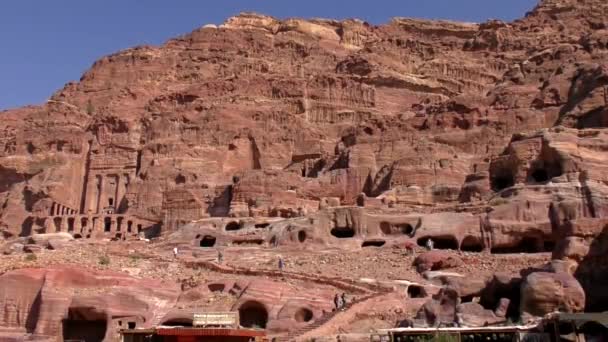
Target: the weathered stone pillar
pixel 77 225
pixel 96 224
pixel 120 190
pixel 90 199
pixel 64 224
pixel 100 195
pixel 49 225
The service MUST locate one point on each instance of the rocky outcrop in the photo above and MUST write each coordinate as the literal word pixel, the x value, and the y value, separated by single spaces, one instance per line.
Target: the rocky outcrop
pixel 56 301
pixel 436 260
pixel 544 293
pixel 306 134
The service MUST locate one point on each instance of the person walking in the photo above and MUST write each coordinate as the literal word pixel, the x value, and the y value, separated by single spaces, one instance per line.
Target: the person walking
pixel 344 302
pixel 175 252
pixel 340 304
pixel 220 257
pixel 337 302
pixel 430 244
pixel 281 264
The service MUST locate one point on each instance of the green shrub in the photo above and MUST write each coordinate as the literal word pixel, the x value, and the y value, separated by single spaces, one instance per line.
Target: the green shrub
pixel 104 260
pixel 31 257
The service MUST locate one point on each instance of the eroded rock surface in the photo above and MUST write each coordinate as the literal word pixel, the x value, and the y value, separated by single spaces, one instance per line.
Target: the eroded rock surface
pixel 315 135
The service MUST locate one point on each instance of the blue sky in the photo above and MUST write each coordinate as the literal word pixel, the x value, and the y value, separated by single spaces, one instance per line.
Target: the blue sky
pixel 45 44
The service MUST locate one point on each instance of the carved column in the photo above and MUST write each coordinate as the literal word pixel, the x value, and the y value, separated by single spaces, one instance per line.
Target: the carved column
pixel 96 224
pixel 49 225
pixel 77 225
pixel 64 224
pixel 100 195
pixel 120 191
pixel 90 200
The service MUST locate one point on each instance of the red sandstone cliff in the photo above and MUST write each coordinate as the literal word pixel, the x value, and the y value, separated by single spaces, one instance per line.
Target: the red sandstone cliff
pixel 501 125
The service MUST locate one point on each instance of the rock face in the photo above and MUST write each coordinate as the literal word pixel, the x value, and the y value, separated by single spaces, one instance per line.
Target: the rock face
pixel 58 301
pixel 312 133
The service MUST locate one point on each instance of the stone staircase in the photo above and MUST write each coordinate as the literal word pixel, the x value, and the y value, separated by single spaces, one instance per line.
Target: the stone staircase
pixel 293 335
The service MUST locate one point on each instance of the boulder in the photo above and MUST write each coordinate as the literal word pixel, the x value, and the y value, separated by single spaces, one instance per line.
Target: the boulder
pixel 55 244
pixel 43 239
pixel 441 309
pixel 544 292
pixel 436 260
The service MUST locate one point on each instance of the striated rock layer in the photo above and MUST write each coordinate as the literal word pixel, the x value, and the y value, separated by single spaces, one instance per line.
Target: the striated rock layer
pixel 309 133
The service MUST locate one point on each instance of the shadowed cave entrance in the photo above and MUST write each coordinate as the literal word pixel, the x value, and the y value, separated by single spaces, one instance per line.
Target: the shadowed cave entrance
pixel 304 315
pixel 207 241
pixel 232 226
pixel 502 181
pixel 178 322
pixel 253 315
pixel 84 324
pixel 440 242
pixel 396 229
pixel 373 243
pixel 343 232
pixel 525 245
pixel 471 244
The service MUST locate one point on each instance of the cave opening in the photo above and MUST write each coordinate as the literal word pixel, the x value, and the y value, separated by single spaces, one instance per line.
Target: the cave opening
pixel 304 315
pixel 343 232
pixel 301 236
pixel 71 221
pixel 253 315
pixel 180 179
pixel 262 225
pixel 540 175
pixel 548 245
pixel 415 291
pixel 207 241
pixel 399 228
pixel 439 242
pixel 178 322
pixel 373 243
pixel 502 182
pixel 525 245
pixel 471 244
pixel 216 287
pixel 84 325
pixel 232 226
pixel 119 224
